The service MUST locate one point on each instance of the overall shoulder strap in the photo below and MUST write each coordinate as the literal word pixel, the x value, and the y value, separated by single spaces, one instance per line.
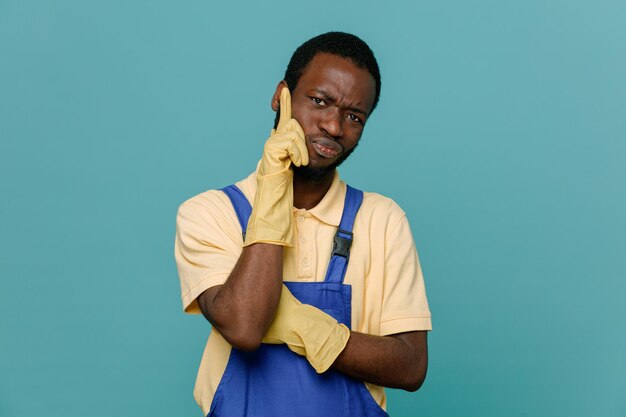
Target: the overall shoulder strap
pixel 343 237
pixel 241 204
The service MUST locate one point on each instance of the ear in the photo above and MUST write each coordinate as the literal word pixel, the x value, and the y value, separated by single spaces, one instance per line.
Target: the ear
pixel 276 97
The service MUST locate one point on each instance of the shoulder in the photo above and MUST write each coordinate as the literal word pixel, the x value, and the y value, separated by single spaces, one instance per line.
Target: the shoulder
pixel 209 204
pixel 215 204
pixel 208 217
pixel 379 208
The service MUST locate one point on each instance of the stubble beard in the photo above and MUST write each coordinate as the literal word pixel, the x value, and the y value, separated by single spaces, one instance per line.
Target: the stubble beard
pixel 318 174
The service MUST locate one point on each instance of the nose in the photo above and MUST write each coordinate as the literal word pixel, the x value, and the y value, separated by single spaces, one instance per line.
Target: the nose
pixel 331 123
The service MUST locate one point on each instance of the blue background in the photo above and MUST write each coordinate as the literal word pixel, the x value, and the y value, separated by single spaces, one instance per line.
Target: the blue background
pixel 501 131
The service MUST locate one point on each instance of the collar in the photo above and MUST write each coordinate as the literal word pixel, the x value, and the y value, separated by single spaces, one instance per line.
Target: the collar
pixel 328 210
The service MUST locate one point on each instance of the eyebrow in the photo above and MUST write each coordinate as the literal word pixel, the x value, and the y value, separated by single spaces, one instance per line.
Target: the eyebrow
pixel 330 98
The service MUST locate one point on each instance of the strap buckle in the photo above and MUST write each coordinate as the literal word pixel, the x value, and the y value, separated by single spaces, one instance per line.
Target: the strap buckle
pixel 341 245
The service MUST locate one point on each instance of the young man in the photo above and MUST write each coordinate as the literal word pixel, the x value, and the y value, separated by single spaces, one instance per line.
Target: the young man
pixel 314 289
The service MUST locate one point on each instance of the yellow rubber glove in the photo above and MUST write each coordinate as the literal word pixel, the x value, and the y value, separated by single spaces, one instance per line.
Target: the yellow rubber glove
pixel 271 218
pixel 307 331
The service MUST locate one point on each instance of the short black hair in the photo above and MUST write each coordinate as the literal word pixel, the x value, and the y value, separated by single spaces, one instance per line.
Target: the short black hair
pixel 341 44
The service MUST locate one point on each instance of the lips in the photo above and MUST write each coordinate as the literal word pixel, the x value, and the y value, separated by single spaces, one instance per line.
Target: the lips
pixel 326 148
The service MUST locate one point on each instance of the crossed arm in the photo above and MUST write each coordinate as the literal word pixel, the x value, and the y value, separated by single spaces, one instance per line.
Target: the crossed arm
pixel 243 308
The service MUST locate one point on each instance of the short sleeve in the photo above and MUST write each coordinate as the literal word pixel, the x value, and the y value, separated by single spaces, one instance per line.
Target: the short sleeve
pixel 405 306
pixel 207 246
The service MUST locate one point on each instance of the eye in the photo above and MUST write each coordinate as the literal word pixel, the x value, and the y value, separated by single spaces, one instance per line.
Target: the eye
pixel 354 118
pixel 318 101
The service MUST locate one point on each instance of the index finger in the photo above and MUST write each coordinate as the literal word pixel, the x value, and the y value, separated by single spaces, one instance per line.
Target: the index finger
pixel 285 107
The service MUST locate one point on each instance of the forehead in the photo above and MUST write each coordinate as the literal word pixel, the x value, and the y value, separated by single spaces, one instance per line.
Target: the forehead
pixel 341 78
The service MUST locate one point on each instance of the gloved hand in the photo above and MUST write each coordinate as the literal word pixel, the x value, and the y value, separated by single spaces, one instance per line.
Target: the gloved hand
pixel 307 331
pixel 271 218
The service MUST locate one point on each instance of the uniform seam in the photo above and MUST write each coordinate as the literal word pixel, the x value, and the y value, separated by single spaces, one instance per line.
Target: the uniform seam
pixel 201 282
pixel 405 317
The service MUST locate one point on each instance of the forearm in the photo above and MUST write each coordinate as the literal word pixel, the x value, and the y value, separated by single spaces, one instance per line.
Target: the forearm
pixel 397 361
pixel 243 307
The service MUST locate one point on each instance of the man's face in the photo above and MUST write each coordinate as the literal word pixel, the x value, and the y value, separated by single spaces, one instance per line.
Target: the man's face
pixel 331 102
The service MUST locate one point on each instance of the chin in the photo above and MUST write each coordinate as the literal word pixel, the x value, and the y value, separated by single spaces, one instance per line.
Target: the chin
pixel 316 172
pixel 313 172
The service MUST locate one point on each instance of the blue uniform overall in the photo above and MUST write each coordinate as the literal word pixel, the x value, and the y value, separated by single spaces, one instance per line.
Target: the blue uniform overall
pixel 274 381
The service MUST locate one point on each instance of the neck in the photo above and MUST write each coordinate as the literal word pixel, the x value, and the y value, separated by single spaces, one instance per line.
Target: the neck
pixel 307 192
